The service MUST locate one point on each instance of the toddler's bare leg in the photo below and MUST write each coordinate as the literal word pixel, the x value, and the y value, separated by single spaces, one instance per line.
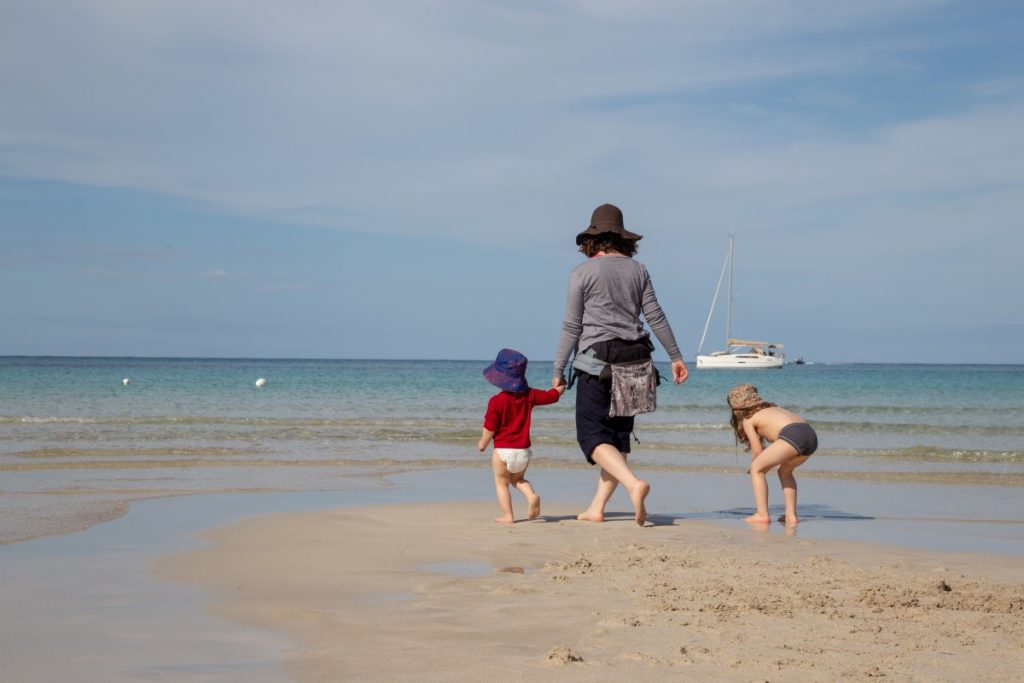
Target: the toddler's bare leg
pixel 502 480
pixel 532 499
pixel 771 457
pixel 788 482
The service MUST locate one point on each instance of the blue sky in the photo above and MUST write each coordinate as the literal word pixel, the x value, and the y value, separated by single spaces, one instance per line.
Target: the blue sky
pixel 405 180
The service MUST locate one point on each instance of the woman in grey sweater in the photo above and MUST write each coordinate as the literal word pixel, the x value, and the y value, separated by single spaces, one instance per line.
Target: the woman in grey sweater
pixel 607 294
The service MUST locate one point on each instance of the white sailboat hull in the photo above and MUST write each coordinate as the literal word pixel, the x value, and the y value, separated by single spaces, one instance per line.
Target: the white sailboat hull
pixel 740 360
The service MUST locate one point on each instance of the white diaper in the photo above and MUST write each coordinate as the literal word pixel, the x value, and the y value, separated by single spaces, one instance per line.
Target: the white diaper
pixel 515 459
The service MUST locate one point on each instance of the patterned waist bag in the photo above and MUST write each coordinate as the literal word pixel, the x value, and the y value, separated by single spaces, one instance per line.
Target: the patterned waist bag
pixel 634 379
pixel 634 388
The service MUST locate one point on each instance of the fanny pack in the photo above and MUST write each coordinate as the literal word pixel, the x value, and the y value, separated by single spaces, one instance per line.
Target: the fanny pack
pixel 628 365
pixel 598 359
pixel 634 388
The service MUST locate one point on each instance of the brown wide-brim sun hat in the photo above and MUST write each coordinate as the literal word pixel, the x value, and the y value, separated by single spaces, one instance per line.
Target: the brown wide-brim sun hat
pixel 744 396
pixel 607 218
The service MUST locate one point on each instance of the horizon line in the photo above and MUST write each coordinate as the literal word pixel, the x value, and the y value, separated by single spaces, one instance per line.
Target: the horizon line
pixel 452 360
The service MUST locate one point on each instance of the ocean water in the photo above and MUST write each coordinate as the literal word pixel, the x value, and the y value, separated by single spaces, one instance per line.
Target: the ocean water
pixel 78 445
pixel 70 429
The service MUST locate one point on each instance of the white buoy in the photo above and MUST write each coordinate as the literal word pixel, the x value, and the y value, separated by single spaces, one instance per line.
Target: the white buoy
pixel 260 382
pixel 126 381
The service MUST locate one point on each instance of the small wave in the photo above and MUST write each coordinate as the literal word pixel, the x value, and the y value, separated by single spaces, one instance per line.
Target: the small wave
pixel 932 454
pixel 157 420
pixel 917 428
pixel 131 452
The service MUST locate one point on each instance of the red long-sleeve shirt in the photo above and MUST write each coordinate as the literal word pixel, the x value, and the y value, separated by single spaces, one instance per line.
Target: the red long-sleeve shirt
pixel 508 415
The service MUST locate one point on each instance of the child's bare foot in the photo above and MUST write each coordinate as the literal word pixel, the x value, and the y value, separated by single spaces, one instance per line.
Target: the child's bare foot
pixel 589 515
pixel 637 495
pixel 505 519
pixel 758 519
pixel 789 521
pixel 534 507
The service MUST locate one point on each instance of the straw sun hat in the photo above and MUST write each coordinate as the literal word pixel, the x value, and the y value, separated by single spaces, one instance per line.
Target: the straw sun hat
pixel 744 396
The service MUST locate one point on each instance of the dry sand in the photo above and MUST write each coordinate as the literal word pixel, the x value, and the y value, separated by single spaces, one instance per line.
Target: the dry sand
pixel 437 592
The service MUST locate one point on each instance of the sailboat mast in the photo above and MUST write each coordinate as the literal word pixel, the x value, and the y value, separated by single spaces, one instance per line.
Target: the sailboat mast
pixel 728 317
pixel 714 301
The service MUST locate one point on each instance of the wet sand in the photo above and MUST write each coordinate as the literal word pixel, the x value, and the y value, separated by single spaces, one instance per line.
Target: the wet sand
pixel 436 592
pixel 402 561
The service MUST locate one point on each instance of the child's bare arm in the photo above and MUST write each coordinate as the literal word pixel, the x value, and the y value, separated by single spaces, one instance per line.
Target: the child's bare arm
pixel 485 438
pixel 753 438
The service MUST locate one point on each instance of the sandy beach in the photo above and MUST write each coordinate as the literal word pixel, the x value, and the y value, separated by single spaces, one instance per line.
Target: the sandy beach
pixel 436 591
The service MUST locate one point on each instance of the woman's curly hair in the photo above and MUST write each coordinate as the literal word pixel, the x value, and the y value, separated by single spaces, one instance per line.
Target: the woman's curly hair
pixel 607 241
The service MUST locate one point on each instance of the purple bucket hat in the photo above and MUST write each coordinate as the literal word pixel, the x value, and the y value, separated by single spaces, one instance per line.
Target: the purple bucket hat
pixel 508 371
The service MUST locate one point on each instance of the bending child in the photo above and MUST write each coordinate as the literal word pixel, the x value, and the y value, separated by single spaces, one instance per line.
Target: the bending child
pixel 507 422
pixel 775 437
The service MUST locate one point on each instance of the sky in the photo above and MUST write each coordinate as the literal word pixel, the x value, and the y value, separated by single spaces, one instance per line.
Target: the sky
pixel 406 179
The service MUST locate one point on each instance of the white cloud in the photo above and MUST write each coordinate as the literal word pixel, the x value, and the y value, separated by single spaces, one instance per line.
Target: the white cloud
pixel 268 106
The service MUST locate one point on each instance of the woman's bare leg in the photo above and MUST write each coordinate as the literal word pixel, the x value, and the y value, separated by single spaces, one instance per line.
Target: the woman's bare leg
pixel 606 485
pixel 614 470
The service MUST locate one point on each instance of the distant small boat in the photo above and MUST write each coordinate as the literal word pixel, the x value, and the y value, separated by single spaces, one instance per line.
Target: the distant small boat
pixel 739 353
pixel 799 361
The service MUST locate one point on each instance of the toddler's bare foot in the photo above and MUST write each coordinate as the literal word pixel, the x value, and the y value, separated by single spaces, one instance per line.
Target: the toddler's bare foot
pixel 789 521
pixel 637 495
pixel 534 507
pixel 589 515
pixel 505 519
pixel 758 519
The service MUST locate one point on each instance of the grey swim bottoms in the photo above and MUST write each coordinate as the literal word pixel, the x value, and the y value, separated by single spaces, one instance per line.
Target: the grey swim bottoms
pixel 800 436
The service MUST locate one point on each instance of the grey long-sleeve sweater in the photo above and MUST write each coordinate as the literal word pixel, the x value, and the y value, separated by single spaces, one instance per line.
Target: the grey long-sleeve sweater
pixel 607 294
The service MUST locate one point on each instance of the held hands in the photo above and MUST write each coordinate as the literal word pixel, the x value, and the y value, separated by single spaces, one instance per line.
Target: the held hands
pixel 558 383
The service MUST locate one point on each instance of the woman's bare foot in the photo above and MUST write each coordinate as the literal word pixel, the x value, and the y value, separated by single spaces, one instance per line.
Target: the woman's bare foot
pixel 637 495
pixel 758 519
pixel 534 507
pixel 589 515
pixel 505 519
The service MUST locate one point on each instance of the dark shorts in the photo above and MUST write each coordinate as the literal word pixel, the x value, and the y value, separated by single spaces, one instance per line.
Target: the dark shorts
pixel 800 436
pixel 593 426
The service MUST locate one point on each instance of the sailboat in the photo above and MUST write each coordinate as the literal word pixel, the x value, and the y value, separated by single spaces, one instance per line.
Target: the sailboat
pixel 739 353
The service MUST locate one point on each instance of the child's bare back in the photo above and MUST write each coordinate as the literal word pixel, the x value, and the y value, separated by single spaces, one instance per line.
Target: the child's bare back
pixel 768 422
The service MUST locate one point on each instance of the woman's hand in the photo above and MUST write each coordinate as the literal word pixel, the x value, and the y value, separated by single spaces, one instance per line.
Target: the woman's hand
pixel 557 382
pixel 679 371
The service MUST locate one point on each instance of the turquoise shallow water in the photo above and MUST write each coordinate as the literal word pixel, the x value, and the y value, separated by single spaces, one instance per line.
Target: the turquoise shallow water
pixel 71 432
pixel 65 407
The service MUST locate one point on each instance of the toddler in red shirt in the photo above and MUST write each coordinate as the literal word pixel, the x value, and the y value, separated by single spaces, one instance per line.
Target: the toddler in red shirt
pixel 507 422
